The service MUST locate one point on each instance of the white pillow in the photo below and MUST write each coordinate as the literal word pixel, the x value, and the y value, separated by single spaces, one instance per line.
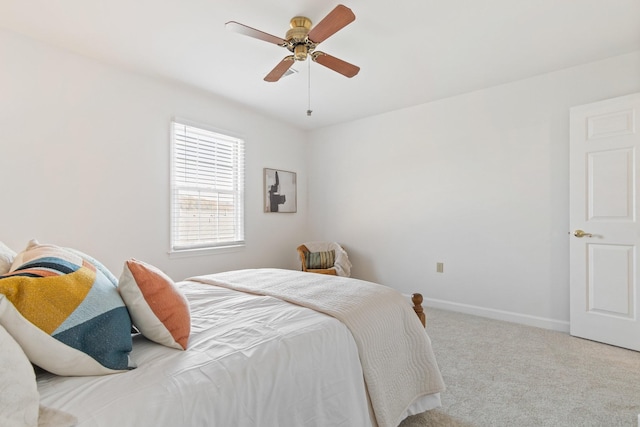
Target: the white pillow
pixel 19 398
pixel 7 255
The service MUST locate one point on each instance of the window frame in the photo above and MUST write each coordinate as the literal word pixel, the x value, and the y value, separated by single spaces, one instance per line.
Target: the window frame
pixel 180 248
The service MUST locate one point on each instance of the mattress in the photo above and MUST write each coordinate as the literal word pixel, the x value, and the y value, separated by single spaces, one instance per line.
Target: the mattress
pixel 251 360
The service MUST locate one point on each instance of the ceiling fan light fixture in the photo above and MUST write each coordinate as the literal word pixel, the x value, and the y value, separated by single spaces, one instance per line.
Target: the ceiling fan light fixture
pixel 300 52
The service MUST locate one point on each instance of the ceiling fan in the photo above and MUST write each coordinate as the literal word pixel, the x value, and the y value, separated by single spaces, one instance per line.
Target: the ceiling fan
pixel 302 40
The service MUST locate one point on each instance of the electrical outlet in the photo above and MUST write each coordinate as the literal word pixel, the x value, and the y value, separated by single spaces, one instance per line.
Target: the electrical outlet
pixel 440 267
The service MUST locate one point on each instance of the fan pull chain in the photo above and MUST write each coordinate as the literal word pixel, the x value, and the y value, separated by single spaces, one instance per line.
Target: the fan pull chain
pixel 309 90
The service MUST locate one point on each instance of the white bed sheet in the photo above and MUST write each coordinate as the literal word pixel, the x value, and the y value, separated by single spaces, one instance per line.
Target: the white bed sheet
pixel 251 361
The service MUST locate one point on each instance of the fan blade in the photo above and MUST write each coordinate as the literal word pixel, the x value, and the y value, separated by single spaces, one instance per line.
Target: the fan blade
pixel 337 65
pixel 252 32
pixel 280 69
pixel 336 20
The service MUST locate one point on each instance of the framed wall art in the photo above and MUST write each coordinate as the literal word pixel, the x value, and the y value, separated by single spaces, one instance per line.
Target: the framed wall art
pixel 280 191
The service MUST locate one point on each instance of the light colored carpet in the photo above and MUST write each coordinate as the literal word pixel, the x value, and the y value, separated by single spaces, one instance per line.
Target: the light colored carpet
pixel 505 374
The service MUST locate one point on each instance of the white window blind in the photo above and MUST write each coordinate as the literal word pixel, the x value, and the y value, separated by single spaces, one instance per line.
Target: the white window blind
pixel 207 204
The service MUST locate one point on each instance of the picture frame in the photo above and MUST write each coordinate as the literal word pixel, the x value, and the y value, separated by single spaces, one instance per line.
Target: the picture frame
pixel 280 191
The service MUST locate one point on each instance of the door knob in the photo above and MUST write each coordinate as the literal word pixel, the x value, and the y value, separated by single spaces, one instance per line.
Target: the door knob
pixel 580 233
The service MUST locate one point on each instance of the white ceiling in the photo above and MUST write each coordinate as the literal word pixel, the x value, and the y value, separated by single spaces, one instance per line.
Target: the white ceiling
pixel 410 51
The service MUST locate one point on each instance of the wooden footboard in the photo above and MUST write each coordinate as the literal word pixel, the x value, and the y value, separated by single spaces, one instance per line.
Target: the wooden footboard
pixel 417 307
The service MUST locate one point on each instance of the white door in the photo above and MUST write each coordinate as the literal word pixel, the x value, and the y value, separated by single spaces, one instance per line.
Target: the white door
pixel 605 233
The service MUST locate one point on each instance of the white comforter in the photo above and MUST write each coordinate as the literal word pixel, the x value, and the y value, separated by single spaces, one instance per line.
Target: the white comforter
pixel 251 361
pixel 395 352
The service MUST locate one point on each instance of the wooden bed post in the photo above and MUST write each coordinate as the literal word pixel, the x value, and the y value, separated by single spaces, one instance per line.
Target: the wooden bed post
pixel 417 307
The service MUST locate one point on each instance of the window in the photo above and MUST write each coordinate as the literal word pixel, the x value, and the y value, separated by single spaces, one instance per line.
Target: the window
pixel 207 183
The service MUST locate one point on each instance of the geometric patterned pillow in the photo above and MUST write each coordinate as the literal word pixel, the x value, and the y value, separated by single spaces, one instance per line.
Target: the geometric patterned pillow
pixel 157 306
pixel 65 313
pixel 320 260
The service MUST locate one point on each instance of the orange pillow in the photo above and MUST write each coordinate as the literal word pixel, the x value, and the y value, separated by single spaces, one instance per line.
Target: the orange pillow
pixel 157 307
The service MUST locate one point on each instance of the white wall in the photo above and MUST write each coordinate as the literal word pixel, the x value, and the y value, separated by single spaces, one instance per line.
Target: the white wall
pixel 84 161
pixel 478 182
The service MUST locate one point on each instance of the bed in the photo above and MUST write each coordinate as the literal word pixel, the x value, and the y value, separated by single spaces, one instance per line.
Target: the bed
pixel 261 353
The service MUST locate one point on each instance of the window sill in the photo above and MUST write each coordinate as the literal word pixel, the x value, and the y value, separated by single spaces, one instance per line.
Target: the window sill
pixel 185 253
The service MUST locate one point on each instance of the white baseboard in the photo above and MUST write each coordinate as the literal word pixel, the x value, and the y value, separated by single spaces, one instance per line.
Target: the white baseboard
pixel 507 316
